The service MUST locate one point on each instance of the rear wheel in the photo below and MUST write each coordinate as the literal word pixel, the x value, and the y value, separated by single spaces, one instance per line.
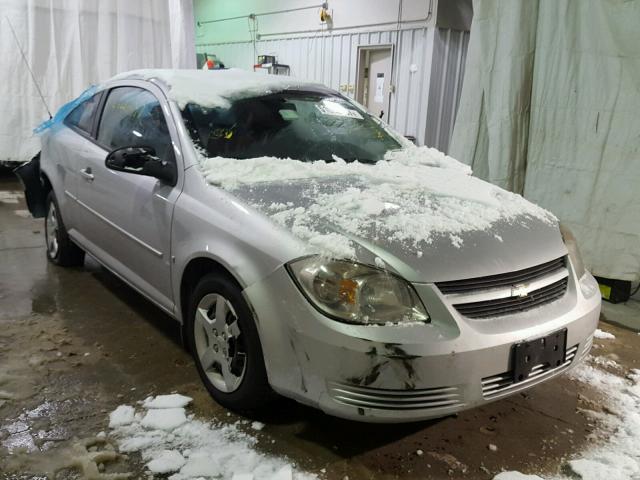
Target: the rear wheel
pixel 224 342
pixel 60 248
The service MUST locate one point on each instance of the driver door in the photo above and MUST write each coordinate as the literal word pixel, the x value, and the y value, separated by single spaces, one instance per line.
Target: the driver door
pixel 126 218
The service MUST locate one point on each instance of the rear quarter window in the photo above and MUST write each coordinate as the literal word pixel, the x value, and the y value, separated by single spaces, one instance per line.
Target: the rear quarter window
pixel 83 115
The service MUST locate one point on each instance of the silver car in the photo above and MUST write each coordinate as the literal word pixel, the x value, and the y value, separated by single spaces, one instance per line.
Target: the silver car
pixel 234 202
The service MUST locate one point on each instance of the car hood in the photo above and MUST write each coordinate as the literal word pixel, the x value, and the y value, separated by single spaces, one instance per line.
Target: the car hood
pixel 423 234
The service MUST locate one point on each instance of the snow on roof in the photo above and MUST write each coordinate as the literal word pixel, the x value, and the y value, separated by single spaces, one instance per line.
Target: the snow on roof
pixel 215 88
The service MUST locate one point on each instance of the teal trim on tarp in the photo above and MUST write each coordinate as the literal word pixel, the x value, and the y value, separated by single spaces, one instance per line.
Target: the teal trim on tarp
pixel 64 110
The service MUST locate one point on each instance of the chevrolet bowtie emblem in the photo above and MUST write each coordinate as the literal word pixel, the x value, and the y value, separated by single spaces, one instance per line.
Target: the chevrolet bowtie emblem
pixel 519 291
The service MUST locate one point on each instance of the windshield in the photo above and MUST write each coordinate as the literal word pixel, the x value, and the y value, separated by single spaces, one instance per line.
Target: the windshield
pixel 301 125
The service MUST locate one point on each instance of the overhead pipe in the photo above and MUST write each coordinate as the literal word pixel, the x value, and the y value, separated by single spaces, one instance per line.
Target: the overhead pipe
pixel 254 15
pixel 316 30
pixel 352 27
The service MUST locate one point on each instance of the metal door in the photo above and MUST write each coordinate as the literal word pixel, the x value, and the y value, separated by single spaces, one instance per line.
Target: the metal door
pixel 374 82
pixel 126 218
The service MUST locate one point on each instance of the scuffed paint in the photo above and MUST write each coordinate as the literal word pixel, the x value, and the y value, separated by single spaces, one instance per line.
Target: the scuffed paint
pixel 388 355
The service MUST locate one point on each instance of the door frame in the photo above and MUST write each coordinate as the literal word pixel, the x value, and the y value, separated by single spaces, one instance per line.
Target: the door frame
pixel 362 51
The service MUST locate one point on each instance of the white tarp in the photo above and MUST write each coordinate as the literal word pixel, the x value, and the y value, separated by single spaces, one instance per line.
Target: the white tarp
pixel 550 108
pixel 71 44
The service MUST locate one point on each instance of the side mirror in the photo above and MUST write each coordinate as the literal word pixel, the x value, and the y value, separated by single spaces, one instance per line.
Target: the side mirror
pixel 141 161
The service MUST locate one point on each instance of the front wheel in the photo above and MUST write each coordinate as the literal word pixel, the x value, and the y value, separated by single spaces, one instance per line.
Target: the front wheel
pixel 224 342
pixel 60 248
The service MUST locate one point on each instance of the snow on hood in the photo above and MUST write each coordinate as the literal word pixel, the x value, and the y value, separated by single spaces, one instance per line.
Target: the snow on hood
pixel 417 195
pixel 214 88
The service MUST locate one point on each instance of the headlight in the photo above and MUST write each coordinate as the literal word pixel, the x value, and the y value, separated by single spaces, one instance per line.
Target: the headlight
pixel 356 293
pixel 574 252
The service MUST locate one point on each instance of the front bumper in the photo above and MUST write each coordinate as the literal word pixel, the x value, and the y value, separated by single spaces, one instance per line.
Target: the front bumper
pixel 408 373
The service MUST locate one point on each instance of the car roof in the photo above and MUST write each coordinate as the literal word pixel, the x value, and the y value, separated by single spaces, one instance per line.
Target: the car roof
pixel 214 88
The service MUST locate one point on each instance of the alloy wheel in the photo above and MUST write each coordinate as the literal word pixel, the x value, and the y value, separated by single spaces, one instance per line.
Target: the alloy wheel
pixel 219 343
pixel 51 231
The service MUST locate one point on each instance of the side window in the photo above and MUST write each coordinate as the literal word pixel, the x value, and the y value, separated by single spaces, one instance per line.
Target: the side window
pixel 132 117
pixel 82 116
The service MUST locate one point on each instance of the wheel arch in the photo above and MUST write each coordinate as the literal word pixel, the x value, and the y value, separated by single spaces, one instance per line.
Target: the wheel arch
pixel 194 270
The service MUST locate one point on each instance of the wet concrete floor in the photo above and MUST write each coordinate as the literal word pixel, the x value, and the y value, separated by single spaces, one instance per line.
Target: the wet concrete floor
pixel 76 343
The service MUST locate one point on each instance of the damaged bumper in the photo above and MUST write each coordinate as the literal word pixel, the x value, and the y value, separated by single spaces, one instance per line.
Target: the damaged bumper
pixel 34 190
pixel 415 372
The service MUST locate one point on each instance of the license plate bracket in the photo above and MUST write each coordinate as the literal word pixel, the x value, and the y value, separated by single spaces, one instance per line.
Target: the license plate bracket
pixel 548 351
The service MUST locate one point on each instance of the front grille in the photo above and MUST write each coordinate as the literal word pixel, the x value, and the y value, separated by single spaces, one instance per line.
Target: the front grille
pixel 502 384
pixel 509 305
pixel 501 280
pixel 386 399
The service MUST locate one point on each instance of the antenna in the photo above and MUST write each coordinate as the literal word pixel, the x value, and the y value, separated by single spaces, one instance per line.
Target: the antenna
pixel 26 62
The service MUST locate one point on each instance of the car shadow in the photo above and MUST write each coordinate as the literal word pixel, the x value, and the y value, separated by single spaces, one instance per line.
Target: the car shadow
pixel 135 301
pixel 345 438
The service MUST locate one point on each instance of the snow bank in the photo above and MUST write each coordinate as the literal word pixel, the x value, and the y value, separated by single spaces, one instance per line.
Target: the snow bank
pixel 618 458
pixel 191 448
pixel 214 88
pixel 416 195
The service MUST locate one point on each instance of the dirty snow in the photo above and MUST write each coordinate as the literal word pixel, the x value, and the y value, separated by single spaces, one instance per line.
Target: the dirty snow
pixel 416 195
pixel 618 457
pixel 214 88
pixel 602 335
pixel 183 447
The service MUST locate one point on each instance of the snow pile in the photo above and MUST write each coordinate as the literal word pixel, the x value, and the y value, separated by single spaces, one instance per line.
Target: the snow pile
pixel 172 442
pixel 214 88
pixel 175 400
pixel 602 335
pixel 415 196
pixel 164 419
pixel 123 415
pixel 619 457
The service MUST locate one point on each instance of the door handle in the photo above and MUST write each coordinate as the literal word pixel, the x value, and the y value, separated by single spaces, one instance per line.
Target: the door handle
pixel 86 173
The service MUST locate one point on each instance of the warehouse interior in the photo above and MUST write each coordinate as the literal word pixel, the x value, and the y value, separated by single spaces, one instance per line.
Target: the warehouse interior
pixel 537 98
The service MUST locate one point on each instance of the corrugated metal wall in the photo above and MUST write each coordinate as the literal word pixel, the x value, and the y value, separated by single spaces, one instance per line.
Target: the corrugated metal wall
pixel 331 58
pixel 447 73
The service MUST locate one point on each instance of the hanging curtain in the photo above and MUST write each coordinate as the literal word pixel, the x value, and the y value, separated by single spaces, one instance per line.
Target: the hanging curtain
pixel 71 44
pixel 550 108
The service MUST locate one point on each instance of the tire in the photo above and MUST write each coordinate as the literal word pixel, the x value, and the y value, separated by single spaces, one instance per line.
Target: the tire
pixel 60 248
pixel 213 342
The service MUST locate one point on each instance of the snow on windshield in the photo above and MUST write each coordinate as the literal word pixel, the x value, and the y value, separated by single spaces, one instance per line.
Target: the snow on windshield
pixel 417 194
